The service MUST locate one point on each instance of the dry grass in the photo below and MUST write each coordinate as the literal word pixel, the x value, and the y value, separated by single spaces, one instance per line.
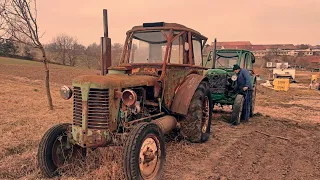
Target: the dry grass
pixel 234 152
pixel 25 117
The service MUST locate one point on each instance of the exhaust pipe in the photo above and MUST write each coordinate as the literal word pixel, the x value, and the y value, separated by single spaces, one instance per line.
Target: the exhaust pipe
pixel 105 46
pixel 166 123
pixel 214 55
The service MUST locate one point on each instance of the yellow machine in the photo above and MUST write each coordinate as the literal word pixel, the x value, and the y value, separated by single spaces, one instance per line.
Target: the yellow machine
pixel 281 84
pixel 314 77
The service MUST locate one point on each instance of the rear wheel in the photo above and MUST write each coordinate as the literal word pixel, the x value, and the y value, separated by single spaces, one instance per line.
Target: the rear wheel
pixel 54 150
pixel 253 101
pixel 144 153
pixel 237 109
pixel 196 125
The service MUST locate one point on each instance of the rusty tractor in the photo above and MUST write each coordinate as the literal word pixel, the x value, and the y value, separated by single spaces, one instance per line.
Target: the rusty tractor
pixel 159 86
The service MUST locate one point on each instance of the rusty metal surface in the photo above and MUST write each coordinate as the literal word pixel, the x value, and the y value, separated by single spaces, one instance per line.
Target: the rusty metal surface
pixel 105 54
pixel 166 123
pixel 176 75
pixel 191 62
pixel 185 93
pixel 145 119
pixel 117 80
pixel 167 26
pixel 166 55
pixel 84 131
pixel 103 57
pixel 105 45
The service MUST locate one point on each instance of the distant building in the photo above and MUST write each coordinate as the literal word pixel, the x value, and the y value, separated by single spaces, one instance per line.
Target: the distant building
pixel 313 61
pixel 262 50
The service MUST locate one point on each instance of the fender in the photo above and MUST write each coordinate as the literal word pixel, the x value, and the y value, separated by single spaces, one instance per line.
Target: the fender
pixel 184 93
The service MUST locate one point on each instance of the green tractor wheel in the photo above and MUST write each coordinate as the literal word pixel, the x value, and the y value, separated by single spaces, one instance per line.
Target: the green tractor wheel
pixel 237 109
pixel 54 150
pixel 144 153
pixel 253 101
pixel 196 125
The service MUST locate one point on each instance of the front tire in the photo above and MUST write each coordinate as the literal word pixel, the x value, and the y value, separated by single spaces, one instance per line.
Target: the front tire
pixel 54 151
pixel 237 110
pixel 144 153
pixel 196 125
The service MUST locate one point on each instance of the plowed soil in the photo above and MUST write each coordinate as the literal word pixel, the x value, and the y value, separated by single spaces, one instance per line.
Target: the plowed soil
pixel 282 140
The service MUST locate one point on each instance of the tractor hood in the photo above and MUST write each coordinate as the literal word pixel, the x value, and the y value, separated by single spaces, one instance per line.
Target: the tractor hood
pixel 115 80
pixel 216 72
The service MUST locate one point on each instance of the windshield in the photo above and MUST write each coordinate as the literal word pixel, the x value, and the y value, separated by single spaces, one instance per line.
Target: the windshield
pixel 226 60
pixel 148 47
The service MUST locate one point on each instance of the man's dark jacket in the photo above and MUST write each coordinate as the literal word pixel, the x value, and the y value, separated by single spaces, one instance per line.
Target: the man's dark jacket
pixel 244 80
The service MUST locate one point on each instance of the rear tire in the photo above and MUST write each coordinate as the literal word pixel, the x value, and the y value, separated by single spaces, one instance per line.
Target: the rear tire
pixel 144 153
pixel 195 127
pixel 237 110
pixel 253 100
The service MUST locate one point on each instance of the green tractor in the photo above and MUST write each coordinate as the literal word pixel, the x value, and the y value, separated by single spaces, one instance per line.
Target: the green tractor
pixel 223 81
pixel 159 87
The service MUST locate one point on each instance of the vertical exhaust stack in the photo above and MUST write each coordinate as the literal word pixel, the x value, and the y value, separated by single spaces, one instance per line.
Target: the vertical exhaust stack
pixel 105 46
pixel 214 55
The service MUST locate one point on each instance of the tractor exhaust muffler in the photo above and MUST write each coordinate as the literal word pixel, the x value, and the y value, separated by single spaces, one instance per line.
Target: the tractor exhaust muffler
pixel 166 123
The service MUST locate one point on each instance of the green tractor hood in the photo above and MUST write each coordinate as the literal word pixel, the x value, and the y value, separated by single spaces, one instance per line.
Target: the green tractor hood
pixel 211 72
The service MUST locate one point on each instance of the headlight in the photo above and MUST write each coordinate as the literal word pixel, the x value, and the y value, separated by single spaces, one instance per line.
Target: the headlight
pixel 234 77
pixel 129 97
pixel 65 92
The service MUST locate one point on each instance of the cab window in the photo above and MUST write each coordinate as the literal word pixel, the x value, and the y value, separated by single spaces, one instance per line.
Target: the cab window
pixel 197 52
pixel 177 49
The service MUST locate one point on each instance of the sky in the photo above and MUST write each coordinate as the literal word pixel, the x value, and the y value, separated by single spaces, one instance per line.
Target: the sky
pixel 258 21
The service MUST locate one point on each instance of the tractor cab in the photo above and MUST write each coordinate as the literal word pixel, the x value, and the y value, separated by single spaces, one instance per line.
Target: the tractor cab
pixel 153 48
pixel 226 58
pixel 168 52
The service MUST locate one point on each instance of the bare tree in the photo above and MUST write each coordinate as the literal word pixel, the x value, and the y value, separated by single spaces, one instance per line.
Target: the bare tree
pixel 1 25
pixel 73 54
pixel 65 49
pixel 304 46
pixel 92 55
pixel 116 51
pixel 20 24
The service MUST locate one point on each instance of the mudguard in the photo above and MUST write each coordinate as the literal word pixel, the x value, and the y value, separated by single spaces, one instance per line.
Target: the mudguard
pixel 184 93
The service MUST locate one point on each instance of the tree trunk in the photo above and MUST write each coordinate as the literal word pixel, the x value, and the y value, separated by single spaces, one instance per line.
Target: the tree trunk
pixel 47 79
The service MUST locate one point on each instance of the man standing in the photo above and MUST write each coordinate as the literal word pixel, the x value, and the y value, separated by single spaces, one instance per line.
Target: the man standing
pixel 244 87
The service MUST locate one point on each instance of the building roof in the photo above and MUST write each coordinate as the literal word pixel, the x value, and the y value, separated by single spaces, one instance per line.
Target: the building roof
pixel 248 46
pixel 258 47
pixel 233 43
pixel 274 46
pixel 310 59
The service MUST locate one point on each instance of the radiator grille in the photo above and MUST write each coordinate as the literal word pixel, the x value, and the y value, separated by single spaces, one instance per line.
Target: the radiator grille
pixel 77 106
pixel 98 108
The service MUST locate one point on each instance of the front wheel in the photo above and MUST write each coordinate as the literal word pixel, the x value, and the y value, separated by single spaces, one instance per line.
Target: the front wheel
pixel 237 109
pixel 55 151
pixel 196 125
pixel 144 153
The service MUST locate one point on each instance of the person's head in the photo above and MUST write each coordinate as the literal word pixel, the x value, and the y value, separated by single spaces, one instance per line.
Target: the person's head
pixel 236 68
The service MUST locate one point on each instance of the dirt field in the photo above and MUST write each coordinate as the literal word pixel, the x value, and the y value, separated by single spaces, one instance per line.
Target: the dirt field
pixel 282 141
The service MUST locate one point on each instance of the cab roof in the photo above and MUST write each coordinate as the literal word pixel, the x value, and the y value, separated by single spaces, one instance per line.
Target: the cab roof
pixel 165 26
pixel 233 50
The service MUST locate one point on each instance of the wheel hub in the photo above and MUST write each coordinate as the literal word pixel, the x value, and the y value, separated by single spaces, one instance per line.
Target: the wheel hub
pixel 149 157
pixel 62 151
